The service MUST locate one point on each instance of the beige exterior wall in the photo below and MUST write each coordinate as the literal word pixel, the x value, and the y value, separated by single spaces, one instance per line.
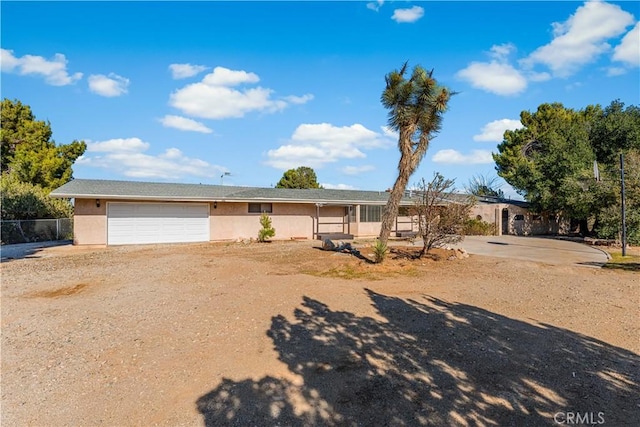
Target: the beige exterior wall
pixel 89 222
pixel 232 221
pixel 228 221
pixel 531 224
pixel 332 219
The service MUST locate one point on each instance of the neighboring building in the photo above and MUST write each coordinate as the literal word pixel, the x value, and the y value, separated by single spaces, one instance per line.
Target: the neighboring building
pixel 128 212
pixel 514 217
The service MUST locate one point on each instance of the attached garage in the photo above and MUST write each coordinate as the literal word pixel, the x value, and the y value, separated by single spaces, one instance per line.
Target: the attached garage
pixel 110 212
pixel 140 223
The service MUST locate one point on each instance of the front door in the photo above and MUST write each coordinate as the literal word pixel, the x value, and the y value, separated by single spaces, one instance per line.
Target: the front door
pixel 505 221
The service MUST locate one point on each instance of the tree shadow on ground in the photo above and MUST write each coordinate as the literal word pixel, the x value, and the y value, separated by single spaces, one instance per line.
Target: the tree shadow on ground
pixel 627 266
pixel 429 362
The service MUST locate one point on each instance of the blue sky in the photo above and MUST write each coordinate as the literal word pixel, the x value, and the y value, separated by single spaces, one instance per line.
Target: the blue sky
pixel 189 91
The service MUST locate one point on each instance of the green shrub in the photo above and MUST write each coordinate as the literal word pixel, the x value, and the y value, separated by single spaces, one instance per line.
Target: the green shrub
pixel 478 227
pixel 21 200
pixel 267 231
pixel 610 225
pixel 380 250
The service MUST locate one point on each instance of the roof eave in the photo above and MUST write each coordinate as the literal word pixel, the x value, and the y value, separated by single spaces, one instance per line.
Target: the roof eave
pixel 132 197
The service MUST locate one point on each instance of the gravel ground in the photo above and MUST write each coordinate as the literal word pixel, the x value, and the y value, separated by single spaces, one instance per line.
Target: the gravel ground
pixel 286 334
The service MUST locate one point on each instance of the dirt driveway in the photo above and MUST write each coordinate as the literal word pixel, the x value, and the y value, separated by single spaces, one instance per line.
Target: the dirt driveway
pixel 286 334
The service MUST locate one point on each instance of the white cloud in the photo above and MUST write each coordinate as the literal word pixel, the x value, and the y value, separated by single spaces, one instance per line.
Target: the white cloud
pixel 54 71
pixel 225 77
pixel 109 86
pixel 127 156
pixel 628 51
pixel 338 186
pixel 502 51
pixel 117 145
pixel 390 133
pixel 182 71
pixel 215 98
pixel 494 131
pixel 356 170
pixel 495 77
pixel 582 38
pixel 315 145
pixel 375 5
pixel 533 76
pixel 408 15
pixel 450 156
pixel 292 99
pixel 616 71
pixel 7 61
pixel 183 123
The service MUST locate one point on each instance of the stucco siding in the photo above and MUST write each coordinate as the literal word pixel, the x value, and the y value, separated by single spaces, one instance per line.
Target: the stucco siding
pixel 368 229
pixel 332 219
pixel 232 221
pixel 89 222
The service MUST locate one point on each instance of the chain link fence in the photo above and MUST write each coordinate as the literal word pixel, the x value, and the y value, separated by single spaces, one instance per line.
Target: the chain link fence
pixel 36 230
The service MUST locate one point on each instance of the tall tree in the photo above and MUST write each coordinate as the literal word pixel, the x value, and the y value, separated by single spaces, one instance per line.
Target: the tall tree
pixel 609 225
pixel 550 161
pixel 29 153
pixel 416 106
pixel 484 185
pixel 614 129
pixel 302 177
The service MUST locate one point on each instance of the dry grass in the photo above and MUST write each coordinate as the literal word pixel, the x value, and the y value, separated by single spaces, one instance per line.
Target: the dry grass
pixel 630 262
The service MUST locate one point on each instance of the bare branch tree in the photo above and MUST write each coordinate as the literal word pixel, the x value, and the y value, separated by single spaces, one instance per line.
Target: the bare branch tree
pixel 440 214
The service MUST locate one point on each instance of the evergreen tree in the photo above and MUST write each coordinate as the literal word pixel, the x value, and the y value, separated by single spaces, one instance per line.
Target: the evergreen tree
pixel 29 153
pixel 267 231
pixel 302 177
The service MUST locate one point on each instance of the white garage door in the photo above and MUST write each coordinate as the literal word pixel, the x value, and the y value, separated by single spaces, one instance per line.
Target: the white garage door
pixel 138 223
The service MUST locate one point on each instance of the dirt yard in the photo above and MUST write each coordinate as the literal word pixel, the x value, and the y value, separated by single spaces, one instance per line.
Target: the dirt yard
pixel 287 334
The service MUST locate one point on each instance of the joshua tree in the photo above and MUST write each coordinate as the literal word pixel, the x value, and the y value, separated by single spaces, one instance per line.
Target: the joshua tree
pixel 416 106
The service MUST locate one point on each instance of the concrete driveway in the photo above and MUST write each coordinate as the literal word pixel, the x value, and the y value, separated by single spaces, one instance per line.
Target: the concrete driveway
pixel 540 249
pixel 27 250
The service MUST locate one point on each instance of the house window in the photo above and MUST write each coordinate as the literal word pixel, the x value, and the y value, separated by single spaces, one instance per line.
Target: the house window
pixel 404 211
pixel 370 213
pixel 536 217
pixel 518 217
pixel 351 212
pixel 260 207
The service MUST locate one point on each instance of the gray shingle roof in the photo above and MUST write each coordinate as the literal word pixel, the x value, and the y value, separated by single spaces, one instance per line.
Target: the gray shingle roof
pixel 94 188
pixel 90 188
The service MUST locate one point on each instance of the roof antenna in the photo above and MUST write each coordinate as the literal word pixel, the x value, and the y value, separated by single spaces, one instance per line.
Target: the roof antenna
pixel 222 177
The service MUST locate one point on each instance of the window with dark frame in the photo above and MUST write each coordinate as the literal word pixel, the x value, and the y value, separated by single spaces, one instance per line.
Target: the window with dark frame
pixel 370 213
pixel 260 208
